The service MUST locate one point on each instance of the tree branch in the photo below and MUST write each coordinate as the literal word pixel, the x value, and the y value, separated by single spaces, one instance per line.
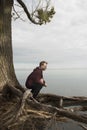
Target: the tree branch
pixel 36 8
pixel 27 12
pixel 18 16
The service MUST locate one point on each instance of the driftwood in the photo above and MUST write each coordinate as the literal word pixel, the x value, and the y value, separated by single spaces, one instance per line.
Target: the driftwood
pixel 84 127
pixel 55 100
pixel 59 111
pixel 69 113
pixel 44 108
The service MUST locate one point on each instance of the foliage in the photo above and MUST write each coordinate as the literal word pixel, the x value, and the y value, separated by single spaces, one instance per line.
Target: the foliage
pixel 44 16
pixel 39 13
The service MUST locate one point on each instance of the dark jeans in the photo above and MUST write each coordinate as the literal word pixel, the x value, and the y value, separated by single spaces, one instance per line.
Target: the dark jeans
pixel 36 89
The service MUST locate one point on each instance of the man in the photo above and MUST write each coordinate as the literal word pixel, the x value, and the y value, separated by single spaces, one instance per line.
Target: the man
pixel 35 80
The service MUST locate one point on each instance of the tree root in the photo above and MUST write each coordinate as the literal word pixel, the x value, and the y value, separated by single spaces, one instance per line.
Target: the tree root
pixel 11 92
pixel 27 94
pixel 51 109
pixel 26 108
pixel 84 127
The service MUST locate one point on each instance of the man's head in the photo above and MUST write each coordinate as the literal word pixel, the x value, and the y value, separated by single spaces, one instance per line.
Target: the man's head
pixel 43 65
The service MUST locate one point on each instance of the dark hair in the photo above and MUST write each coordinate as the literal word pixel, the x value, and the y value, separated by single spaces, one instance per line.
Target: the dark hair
pixel 42 63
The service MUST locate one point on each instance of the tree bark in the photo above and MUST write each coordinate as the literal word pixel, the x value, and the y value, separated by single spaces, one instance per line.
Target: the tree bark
pixel 7 72
pixel 9 83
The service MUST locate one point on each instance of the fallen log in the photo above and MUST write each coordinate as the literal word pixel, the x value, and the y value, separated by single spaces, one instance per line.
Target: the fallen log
pixel 53 109
pixel 55 100
pixel 58 111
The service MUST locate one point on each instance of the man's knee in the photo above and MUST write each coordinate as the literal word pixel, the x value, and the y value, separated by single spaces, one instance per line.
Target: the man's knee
pixel 36 90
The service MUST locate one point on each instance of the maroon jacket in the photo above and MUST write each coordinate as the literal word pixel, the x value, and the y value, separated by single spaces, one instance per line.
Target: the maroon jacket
pixel 34 78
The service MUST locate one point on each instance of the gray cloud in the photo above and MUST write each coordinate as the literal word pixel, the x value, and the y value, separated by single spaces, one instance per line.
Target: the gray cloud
pixel 63 42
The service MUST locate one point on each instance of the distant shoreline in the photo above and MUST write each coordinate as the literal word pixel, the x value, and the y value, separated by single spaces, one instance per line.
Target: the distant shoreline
pixel 53 68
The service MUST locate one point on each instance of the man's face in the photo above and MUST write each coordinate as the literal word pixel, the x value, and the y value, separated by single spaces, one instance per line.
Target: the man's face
pixel 44 66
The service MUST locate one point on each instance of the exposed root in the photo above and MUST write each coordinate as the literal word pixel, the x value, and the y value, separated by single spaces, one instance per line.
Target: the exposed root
pixel 11 92
pixel 84 127
pixel 41 113
pixel 22 112
pixel 27 94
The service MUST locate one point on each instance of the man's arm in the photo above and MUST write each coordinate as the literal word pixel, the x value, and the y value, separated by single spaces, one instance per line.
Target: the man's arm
pixel 38 78
pixel 43 82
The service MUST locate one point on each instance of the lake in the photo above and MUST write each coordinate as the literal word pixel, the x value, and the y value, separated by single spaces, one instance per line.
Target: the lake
pixel 65 82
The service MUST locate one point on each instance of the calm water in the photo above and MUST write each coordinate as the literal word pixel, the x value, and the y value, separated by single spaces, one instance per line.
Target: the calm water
pixel 66 82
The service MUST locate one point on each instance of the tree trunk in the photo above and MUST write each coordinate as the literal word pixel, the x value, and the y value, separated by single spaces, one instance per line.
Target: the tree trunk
pixel 7 72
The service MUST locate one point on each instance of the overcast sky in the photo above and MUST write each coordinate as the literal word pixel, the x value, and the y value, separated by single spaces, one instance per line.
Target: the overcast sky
pixel 63 42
